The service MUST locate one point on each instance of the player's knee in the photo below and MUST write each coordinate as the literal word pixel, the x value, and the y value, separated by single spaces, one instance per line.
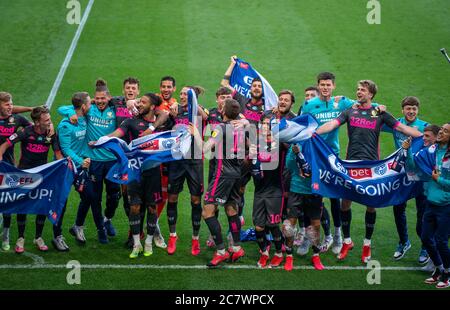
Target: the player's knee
pixel 134 209
pixel 151 208
pixel 195 199
pixel 259 228
pixel 172 198
pixel 231 209
pixel 346 205
pixel 208 211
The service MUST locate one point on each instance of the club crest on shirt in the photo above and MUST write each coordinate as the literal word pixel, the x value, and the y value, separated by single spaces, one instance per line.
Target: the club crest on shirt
pixel 374 113
pixel 11 120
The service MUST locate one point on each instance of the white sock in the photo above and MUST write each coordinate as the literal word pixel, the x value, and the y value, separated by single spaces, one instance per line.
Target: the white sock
pixel 173 234
pixel 347 240
pixel 266 253
pixel 195 237
pixel 5 233
pixel 136 239
pixel 221 252
pixel 149 239
pixel 236 248
pixel 279 254
pixel 105 219
pixel 367 242
pixel 337 231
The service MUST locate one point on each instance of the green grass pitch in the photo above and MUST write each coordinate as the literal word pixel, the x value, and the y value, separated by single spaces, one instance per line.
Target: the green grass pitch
pixel 289 42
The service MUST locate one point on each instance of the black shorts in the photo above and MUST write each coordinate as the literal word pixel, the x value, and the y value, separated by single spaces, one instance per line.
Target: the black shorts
pixel 310 204
pixel 246 175
pixel 211 170
pixel 189 169
pixel 148 191
pixel 267 211
pixel 223 191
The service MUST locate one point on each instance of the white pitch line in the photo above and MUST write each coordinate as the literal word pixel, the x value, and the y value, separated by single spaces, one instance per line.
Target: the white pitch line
pixel 250 267
pixel 38 260
pixel 69 55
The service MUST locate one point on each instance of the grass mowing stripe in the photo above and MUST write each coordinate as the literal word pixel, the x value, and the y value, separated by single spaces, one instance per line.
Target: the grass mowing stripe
pixel 69 55
pixel 117 266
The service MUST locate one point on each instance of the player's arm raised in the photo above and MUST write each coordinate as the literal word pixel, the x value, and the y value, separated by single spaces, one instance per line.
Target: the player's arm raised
pixel 226 78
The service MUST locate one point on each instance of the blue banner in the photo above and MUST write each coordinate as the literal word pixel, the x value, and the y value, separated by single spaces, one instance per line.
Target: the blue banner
pixel 241 80
pixel 425 160
pixel 371 183
pixel 192 107
pixel 41 190
pixel 144 153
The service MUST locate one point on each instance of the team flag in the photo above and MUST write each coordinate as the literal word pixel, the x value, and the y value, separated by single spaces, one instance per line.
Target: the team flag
pixel 40 190
pixel 372 183
pixel 144 153
pixel 241 80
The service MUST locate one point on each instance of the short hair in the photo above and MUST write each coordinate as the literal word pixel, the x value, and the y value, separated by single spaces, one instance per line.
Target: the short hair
pixel 231 109
pixel 312 88
pixel 287 92
pixel 79 98
pixel 197 89
pixel 433 128
pixel 256 79
pixel 167 78
pixel 131 80
pixel 5 97
pixel 223 91
pixel 37 112
pixel 154 99
pixel 325 76
pixel 370 85
pixel 410 100
pixel 101 86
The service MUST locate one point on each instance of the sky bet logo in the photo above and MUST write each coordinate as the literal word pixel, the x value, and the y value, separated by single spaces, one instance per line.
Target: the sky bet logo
pixel 19 180
pixel 248 80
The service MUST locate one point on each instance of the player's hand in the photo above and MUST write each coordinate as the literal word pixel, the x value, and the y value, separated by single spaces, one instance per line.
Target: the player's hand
pixel 92 143
pixel 239 123
pixel 295 149
pixel 337 98
pixel 74 119
pixel 407 143
pixel 174 109
pixel 356 105
pixel 275 110
pixel 86 163
pixel 435 175
pixel 382 108
pixel 304 175
pixel 233 59
pixel 131 106
pixel 146 132
pixel 193 130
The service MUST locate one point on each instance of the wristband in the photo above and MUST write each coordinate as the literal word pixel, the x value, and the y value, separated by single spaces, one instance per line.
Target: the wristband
pixel 151 127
